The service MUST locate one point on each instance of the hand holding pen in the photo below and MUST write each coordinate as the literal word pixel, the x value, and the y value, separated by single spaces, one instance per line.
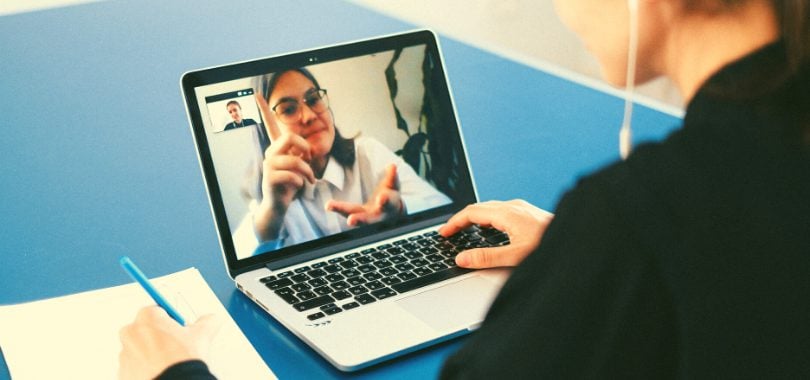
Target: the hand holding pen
pixel 153 341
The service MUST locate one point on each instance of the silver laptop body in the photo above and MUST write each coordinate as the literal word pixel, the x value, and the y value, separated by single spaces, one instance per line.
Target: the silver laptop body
pixel 356 295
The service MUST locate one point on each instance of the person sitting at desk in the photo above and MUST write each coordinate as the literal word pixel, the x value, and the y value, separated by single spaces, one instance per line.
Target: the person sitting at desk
pixel 692 257
pixel 235 110
pixel 313 182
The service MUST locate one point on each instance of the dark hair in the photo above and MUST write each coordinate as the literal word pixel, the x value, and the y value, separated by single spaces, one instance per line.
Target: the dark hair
pixel 342 148
pixel 233 102
pixel 794 21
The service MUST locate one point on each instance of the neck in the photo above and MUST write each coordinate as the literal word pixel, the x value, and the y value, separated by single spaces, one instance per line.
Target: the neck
pixel 702 43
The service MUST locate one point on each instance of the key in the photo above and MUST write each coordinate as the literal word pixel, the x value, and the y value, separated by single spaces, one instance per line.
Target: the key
pixel 313 303
pixel 429 279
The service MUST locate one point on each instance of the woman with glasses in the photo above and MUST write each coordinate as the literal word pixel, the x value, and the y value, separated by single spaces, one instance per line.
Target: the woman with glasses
pixel 314 182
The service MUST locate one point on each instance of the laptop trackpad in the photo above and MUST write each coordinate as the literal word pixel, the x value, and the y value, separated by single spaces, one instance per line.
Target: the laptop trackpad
pixel 458 305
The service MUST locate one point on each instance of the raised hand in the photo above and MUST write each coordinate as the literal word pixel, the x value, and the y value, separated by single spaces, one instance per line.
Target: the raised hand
pixel 285 171
pixel 286 168
pixel 270 125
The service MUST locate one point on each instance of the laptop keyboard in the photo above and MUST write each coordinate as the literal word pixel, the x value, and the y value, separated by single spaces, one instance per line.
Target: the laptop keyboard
pixel 360 278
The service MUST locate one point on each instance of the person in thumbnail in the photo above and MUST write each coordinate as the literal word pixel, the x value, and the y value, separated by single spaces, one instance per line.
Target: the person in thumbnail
pixel 235 110
pixel 314 182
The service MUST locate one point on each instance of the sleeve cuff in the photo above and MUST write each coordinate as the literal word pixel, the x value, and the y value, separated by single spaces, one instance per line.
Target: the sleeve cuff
pixel 267 246
pixel 187 370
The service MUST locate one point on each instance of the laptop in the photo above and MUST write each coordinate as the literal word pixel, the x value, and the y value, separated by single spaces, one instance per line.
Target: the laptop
pixel 328 173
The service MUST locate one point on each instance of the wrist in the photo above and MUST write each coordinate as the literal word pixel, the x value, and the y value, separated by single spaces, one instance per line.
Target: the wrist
pixel 268 220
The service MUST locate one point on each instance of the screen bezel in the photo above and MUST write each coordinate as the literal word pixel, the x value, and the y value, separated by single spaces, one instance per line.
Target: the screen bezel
pixel 330 244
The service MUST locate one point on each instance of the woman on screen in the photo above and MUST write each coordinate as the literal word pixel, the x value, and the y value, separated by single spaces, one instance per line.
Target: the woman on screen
pixel 313 182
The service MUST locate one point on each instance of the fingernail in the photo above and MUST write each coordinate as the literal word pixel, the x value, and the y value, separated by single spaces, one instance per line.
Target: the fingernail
pixel 462 260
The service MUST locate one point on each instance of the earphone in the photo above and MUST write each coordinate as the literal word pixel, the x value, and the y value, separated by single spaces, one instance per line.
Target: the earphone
pixel 625 133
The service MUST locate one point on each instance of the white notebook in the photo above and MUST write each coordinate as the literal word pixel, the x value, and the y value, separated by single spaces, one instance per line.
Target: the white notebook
pixel 76 336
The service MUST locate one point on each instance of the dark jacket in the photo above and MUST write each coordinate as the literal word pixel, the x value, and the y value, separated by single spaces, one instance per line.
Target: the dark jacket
pixel 690 259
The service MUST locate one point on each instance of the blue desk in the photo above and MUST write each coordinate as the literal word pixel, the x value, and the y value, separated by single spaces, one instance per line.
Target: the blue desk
pixel 97 159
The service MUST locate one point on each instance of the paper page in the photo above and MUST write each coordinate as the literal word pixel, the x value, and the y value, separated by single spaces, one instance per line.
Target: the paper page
pixel 76 336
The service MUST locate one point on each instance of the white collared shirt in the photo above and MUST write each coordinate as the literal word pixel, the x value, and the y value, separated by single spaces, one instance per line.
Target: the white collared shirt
pixel 307 219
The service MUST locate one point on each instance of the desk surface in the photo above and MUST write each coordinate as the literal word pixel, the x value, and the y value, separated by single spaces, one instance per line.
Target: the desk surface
pixel 97 158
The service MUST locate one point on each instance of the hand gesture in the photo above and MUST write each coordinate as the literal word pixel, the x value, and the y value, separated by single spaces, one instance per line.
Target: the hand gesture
pixel 521 221
pixel 267 114
pixel 385 201
pixel 286 167
pixel 154 341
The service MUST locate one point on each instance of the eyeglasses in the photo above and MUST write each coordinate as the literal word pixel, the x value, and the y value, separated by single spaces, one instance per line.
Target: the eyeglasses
pixel 289 110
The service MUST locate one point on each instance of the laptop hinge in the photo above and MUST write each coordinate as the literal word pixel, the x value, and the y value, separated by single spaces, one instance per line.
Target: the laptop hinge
pixel 326 251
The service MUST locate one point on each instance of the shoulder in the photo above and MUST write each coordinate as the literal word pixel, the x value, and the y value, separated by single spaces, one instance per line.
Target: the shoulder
pixel 369 144
pixel 573 299
pixel 620 218
pixel 373 149
pixel 653 176
pixel 613 222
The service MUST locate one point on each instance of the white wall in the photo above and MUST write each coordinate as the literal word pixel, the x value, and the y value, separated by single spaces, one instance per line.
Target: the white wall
pixel 524 30
pixel 359 97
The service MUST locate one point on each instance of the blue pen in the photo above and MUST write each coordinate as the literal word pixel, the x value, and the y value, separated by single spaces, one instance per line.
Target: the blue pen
pixel 138 276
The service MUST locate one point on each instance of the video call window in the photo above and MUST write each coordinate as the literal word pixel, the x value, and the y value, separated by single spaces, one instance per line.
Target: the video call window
pixel 358 117
pixel 232 110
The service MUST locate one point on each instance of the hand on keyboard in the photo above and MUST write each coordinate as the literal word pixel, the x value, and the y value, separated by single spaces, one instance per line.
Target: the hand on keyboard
pixel 339 283
pixel 522 222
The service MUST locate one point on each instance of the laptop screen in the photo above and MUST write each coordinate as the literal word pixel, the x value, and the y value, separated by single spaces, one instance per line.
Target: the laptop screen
pixel 328 146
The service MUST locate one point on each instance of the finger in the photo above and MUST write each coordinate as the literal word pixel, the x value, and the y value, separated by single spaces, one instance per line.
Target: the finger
pixel 489 214
pixel 267 114
pixel 292 144
pixel 488 257
pixel 300 147
pixel 150 314
pixel 388 201
pixel 344 208
pixel 361 218
pixel 281 179
pixel 124 333
pixel 459 221
pixel 292 164
pixel 390 180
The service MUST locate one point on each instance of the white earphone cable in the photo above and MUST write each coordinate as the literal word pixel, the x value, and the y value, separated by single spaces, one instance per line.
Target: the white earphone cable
pixel 625 133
